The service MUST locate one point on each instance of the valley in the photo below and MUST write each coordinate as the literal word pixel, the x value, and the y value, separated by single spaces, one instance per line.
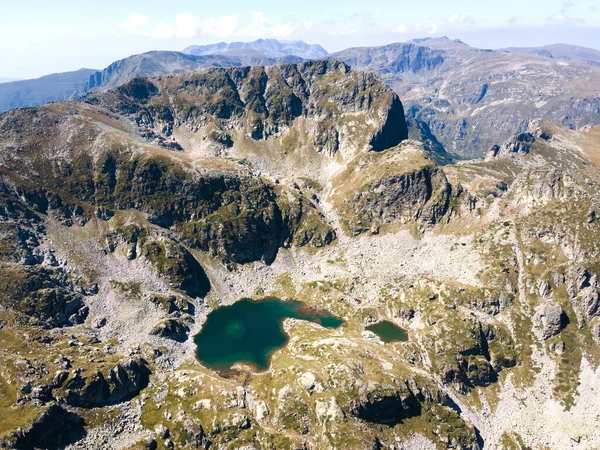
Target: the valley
pixel 128 217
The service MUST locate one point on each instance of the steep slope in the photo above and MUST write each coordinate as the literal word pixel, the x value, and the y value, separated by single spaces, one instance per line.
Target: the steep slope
pixel 276 117
pixel 395 63
pixel 471 99
pixel 50 88
pixel 271 48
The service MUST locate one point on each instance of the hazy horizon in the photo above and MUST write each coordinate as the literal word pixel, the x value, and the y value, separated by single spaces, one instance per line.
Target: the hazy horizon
pixel 39 39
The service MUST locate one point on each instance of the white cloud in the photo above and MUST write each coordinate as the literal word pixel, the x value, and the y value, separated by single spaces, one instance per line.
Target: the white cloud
pixel 134 22
pixel 562 16
pixel 454 18
pixel 187 25
pixel 223 26
pixel 433 28
pixel 563 19
pixel 401 28
pixel 283 30
pixel 257 27
pixel 163 30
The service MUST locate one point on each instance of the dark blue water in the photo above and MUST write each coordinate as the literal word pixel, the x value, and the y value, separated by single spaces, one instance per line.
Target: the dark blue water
pixel 250 332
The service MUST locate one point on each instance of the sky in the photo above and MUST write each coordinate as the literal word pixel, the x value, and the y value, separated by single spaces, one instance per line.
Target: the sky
pixel 39 37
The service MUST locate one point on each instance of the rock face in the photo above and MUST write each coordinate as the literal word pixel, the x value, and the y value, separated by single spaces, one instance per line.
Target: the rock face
pixel 124 380
pixel 32 282
pixel 54 427
pixel 519 144
pixel 263 102
pixel 387 407
pixel 551 318
pixel 471 99
pixel 400 186
pixel 584 292
pixel 101 176
pixel 175 329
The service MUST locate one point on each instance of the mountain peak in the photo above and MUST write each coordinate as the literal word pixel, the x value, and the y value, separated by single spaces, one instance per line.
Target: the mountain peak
pixel 442 43
pixel 271 48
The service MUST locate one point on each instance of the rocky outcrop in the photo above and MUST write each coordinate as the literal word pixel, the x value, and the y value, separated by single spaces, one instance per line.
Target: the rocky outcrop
pixel 177 265
pixel 174 329
pixel 32 281
pixel 264 102
pixel 43 296
pixel 225 212
pixel 539 186
pixel 393 194
pixel 517 145
pixel 480 355
pixel 551 318
pixel 387 406
pixel 101 388
pixel 53 428
pixel 584 292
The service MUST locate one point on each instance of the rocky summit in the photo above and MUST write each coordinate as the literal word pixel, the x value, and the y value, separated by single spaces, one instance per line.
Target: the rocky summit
pixel 130 215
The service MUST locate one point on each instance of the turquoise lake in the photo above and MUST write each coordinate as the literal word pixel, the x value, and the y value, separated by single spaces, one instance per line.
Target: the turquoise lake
pixel 249 332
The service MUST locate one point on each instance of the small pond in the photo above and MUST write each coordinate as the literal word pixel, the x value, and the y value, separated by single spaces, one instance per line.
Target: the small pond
pixel 388 331
pixel 249 332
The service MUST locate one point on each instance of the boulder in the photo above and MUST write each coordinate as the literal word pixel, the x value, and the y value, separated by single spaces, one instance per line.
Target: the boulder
pixel 174 329
pixel 328 411
pixel 552 319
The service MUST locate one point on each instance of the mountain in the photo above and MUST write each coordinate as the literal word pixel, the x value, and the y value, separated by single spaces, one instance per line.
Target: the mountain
pixel 8 80
pixel 559 51
pixel 271 48
pixel 50 88
pixel 165 63
pixel 471 99
pixel 66 85
pixel 128 217
pixel 460 100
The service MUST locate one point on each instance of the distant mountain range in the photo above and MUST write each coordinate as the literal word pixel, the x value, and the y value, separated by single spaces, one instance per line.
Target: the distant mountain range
pixel 157 63
pixel 459 100
pixel 271 48
pixel 468 99
pixel 559 51
pixel 8 80
pixel 49 88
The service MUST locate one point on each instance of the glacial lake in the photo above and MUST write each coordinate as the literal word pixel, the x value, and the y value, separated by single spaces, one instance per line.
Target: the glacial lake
pixel 388 331
pixel 249 332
